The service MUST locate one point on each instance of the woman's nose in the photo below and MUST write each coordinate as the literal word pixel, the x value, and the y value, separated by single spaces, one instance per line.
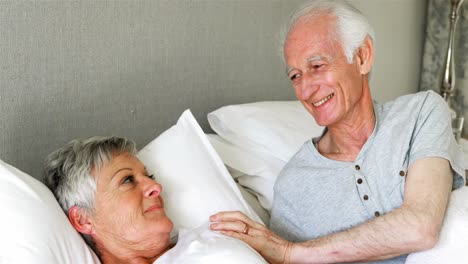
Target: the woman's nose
pixel 153 189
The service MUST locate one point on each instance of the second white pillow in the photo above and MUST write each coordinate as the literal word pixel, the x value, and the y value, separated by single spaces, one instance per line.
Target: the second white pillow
pixel 275 128
pixel 195 182
pixel 259 170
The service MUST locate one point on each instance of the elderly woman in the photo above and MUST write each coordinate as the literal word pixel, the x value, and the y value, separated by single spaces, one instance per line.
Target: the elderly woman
pixel 110 199
pixel 116 205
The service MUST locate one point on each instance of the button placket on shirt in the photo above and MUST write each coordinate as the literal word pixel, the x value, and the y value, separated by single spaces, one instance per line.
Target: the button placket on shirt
pixel 364 191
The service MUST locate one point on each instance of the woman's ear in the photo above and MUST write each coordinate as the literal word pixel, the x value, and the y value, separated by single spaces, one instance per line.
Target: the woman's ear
pixel 80 220
pixel 365 56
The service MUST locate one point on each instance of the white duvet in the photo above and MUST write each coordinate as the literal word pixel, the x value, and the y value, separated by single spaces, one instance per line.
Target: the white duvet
pixel 203 246
pixel 452 247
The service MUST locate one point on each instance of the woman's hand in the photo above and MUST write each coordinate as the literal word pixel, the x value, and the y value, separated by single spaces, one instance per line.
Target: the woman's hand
pixel 235 224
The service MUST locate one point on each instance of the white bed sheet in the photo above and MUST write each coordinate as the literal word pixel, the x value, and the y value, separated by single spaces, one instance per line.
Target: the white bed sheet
pixel 203 246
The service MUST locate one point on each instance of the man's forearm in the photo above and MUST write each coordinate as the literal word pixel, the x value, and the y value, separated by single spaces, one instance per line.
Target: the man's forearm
pixel 396 233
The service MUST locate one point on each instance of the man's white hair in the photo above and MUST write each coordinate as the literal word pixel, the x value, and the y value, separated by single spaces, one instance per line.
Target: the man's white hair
pixel 352 27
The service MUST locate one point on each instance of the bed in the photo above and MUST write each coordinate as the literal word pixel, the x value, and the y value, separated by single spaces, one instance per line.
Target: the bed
pixel 199 83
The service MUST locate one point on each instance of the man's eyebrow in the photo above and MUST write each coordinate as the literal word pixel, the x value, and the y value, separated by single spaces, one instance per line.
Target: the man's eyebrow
pixel 288 70
pixel 312 58
pixel 315 58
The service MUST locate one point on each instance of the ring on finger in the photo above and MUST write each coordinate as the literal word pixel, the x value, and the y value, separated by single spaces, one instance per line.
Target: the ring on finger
pixel 246 229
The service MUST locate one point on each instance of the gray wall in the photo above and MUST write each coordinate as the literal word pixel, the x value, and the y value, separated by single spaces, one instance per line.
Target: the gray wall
pixel 400 29
pixel 80 68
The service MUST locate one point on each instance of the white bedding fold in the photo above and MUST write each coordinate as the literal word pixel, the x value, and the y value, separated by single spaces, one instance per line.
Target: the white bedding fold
pixel 203 246
pixel 453 241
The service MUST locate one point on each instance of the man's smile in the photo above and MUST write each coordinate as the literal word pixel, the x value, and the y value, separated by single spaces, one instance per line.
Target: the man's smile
pixel 323 100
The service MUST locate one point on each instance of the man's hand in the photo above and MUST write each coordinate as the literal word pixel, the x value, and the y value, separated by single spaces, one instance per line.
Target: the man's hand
pixel 235 224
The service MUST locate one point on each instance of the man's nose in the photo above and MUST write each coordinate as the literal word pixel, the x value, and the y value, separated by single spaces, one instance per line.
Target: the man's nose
pixel 308 86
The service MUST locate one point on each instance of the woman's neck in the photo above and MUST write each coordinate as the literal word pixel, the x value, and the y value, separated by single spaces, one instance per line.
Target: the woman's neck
pixel 130 258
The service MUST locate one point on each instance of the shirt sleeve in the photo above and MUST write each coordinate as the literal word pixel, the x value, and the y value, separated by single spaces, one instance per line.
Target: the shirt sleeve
pixel 433 136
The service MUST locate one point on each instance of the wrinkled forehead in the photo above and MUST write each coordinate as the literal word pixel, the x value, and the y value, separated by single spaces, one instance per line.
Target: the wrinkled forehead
pixel 313 34
pixel 317 28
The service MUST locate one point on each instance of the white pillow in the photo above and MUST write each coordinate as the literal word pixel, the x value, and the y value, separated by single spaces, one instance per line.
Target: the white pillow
pixel 259 170
pixel 252 200
pixel 464 145
pixel 196 184
pixel 203 246
pixel 275 128
pixel 452 246
pixel 33 227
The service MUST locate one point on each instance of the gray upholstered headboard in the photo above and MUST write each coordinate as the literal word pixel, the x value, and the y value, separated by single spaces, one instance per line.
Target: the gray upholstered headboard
pixel 73 69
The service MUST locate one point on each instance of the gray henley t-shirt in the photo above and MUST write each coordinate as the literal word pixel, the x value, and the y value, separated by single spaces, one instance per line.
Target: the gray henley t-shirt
pixel 315 196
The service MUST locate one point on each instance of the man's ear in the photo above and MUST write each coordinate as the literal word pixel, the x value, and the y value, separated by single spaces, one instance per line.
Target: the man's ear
pixel 365 56
pixel 80 220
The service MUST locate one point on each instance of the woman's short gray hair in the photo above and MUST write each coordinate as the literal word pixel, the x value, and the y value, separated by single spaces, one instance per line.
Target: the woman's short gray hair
pixel 68 170
pixel 352 26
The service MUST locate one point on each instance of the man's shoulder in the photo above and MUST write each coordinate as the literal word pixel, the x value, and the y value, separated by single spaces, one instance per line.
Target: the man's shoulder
pixel 423 97
pixel 414 104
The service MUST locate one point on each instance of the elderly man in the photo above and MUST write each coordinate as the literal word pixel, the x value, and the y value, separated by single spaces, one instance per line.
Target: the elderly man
pixel 375 185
